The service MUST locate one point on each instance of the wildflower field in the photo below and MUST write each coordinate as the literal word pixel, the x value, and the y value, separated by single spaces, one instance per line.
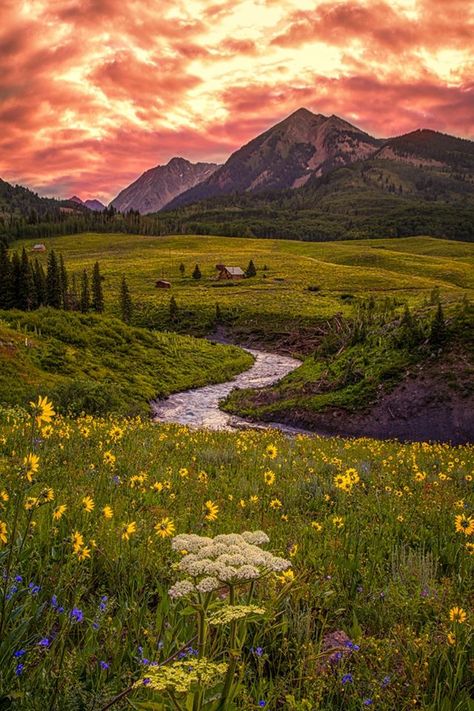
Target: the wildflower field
pixel 351 585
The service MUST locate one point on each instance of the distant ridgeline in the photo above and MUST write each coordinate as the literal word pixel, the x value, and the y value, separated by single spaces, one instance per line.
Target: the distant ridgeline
pixel 421 183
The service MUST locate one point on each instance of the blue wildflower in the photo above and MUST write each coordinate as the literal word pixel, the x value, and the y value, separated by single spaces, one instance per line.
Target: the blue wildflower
pixel 146 681
pixel 104 665
pixel 368 702
pixel 18 579
pixel 19 669
pixel 19 653
pixel 347 679
pixel 34 589
pixel 77 614
pixel 45 642
pixel 385 682
pixel 262 703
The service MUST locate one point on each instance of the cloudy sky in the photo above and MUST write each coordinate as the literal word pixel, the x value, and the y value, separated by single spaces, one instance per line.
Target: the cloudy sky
pixel 93 92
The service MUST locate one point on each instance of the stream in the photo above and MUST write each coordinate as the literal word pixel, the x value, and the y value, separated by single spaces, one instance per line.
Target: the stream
pixel 200 407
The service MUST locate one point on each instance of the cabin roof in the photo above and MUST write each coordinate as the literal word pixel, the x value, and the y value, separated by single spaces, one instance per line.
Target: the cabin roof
pixel 235 271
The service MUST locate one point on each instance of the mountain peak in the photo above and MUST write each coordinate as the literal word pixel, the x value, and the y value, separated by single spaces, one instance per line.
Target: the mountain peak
pixel 158 185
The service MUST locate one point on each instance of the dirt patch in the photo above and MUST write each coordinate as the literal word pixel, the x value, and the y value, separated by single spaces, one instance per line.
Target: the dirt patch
pixel 434 402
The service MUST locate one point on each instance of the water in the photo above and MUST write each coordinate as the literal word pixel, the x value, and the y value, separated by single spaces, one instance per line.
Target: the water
pixel 200 407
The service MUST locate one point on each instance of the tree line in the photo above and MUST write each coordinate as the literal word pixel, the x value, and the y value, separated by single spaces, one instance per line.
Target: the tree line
pixel 26 285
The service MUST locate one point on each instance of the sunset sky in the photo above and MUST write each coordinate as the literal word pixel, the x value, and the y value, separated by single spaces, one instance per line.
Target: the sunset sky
pixel 94 92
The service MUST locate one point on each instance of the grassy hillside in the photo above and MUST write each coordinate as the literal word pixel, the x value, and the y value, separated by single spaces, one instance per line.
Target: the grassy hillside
pixel 278 301
pixel 383 375
pixel 375 610
pixel 94 364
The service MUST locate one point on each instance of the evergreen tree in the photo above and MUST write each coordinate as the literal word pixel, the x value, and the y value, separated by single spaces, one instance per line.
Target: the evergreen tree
pixel 16 279
pixel 182 269
pixel 64 282
pixel 73 294
pixel 438 332
pixel 6 279
pixel 173 309
pixel 126 305
pixel 251 271
pixel 97 293
pixel 218 314
pixel 85 298
pixel 197 272
pixel 39 279
pixel 53 282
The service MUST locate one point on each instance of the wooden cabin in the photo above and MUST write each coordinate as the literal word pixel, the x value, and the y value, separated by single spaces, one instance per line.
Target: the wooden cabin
pixel 162 284
pixel 230 272
pixel 38 248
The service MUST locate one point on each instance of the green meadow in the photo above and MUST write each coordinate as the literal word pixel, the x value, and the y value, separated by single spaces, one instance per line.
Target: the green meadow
pixel 278 298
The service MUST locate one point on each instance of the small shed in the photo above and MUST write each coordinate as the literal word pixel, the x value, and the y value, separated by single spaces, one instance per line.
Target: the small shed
pixel 39 248
pixel 230 272
pixel 162 284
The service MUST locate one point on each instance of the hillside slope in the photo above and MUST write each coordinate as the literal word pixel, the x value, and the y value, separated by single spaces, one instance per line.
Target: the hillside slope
pixel 95 364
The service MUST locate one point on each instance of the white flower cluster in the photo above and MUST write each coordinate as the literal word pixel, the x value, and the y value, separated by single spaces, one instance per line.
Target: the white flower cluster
pixel 227 559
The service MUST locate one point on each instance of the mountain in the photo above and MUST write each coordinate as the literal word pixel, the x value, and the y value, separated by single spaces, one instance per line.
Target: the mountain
pixel 94 205
pixel 158 186
pixel 286 156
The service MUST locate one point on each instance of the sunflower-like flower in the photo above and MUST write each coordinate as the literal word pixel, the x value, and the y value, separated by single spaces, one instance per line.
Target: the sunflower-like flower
pixel 457 614
pixel 88 504
pixel 3 532
pixel 43 410
pixel 128 529
pixel 165 528
pixel 211 510
pixel 464 524
pixel 59 512
pixel 31 465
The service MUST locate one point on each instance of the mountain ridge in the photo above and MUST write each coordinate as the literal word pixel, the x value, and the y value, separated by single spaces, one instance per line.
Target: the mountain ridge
pixel 157 186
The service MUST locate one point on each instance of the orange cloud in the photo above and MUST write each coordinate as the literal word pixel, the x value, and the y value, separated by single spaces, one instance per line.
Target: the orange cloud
pixel 93 92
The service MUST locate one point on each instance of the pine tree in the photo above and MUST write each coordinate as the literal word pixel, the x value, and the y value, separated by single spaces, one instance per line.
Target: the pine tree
pixel 73 297
pixel 218 314
pixel 53 282
pixel 197 272
pixel 16 279
pixel 251 271
pixel 6 279
pixel 126 305
pixel 64 282
pixel 438 331
pixel 39 279
pixel 173 309
pixel 182 269
pixel 97 293
pixel 85 298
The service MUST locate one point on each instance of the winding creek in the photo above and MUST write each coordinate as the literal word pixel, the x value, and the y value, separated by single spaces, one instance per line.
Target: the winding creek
pixel 200 407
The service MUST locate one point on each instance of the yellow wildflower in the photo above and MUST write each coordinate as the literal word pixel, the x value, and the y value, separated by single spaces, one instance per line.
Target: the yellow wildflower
pixel 317 526
pixel 165 528
pixel 59 511
pixel 128 529
pixel 109 458
pixel 83 553
pixel 338 521
pixel 77 541
pixel 464 524
pixel 269 477
pixel 210 510
pixel 107 511
pixel 31 464
pixel 3 532
pixel 275 504
pixel 451 638
pixel 43 410
pixel 271 451
pixel 4 495
pixel 88 504
pixel 286 577
pixel 457 614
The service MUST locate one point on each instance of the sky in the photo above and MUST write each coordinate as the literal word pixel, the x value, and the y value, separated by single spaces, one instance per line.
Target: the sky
pixel 94 92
